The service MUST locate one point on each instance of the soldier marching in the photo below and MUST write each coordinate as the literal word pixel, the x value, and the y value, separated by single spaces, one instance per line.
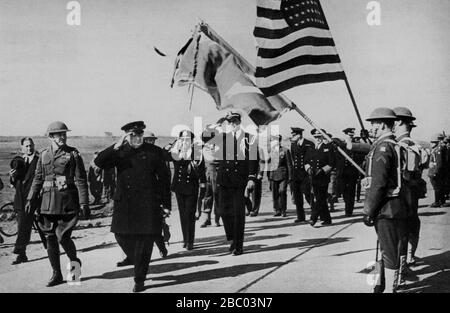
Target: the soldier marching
pixel 225 167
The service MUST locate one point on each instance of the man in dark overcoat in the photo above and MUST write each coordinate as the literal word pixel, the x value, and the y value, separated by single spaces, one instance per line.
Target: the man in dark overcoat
pixel 142 197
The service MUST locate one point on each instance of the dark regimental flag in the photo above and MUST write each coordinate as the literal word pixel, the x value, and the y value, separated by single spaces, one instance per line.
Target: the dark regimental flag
pixel 295 46
pixel 208 65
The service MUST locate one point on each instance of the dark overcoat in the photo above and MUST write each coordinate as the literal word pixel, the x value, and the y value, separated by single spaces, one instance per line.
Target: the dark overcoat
pixel 143 187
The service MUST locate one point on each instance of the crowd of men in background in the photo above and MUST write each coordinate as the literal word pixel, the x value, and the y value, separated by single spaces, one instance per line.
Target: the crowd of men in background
pixel 222 173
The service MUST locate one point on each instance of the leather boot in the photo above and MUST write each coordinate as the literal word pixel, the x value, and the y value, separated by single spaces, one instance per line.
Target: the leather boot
pixel 53 256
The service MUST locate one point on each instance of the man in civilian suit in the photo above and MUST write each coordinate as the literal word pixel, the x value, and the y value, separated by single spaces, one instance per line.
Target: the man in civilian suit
pixel 21 177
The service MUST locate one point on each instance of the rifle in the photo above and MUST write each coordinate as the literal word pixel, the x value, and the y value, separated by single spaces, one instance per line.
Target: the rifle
pixel 379 271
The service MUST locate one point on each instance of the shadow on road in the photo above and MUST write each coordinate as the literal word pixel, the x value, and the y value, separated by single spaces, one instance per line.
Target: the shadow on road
pixel 224 272
pixel 439 282
pixel 153 269
pixel 432 213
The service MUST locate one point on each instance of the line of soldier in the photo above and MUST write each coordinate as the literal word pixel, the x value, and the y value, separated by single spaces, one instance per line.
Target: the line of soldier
pixel 142 200
pixel 393 186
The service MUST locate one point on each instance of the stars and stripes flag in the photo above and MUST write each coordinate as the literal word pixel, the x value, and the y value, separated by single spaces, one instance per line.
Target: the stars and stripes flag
pixel 295 46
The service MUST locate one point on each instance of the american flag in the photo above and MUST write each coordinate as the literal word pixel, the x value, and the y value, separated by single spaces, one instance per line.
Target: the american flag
pixel 295 46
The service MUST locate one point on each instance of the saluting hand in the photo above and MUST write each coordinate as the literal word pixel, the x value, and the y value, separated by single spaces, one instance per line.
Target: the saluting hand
pixel 121 141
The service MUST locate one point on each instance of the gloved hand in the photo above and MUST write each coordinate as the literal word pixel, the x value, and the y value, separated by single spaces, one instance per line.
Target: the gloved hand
pixel 319 172
pixel 28 207
pixel 250 185
pixel 165 212
pixel 364 134
pixel 202 190
pixel 368 221
pixel 310 172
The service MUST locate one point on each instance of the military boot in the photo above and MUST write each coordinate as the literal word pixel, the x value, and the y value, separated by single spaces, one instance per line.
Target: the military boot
pixel 53 256
pixel 402 272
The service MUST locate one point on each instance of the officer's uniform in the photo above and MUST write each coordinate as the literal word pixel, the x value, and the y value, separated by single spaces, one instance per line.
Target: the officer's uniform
pixel 300 184
pixel 334 186
pixel 95 182
pixel 188 174
pixel 143 190
pixel 238 165
pixel 210 201
pixel 349 178
pixel 437 172
pixel 22 180
pixel 278 176
pixel 61 180
pixel 319 162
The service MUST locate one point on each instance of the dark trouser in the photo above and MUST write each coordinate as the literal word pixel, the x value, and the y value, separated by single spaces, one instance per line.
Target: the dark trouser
pixel 358 190
pixel 438 186
pixel 96 189
pixel 187 205
pixel 393 237
pixel 58 229
pixel 413 233
pixel 300 188
pixel 25 223
pixel 254 201
pixel 232 209
pixel 348 191
pixel 138 248
pixel 210 202
pixel 159 241
pixel 320 206
pixel 279 195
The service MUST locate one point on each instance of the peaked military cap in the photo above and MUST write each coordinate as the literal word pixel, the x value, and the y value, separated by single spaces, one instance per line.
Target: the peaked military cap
pixel 233 115
pixel 316 133
pixel 297 130
pixel 137 127
pixel 349 130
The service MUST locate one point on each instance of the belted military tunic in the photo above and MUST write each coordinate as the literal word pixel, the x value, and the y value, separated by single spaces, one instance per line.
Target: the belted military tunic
pixel 61 178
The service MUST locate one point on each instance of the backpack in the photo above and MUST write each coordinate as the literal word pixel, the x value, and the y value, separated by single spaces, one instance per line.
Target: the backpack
pixel 415 159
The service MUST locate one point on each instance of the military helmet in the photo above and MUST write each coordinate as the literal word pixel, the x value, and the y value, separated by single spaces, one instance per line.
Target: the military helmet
pixel 57 127
pixel 382 114
pixel 404 113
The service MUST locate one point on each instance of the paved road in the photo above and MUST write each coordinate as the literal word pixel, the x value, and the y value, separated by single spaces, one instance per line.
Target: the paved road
pixel 280 256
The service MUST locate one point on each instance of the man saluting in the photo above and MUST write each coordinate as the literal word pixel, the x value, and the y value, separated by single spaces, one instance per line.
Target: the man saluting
pixel 142 197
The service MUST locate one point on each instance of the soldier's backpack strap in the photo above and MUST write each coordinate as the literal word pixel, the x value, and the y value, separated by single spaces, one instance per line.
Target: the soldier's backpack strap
pixel 393 192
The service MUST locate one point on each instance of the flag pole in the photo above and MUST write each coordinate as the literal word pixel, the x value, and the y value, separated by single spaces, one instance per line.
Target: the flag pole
pixel 347 84
pixel 209 32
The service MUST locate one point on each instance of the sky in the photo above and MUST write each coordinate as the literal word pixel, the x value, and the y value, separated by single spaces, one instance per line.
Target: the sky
pixel 104 73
